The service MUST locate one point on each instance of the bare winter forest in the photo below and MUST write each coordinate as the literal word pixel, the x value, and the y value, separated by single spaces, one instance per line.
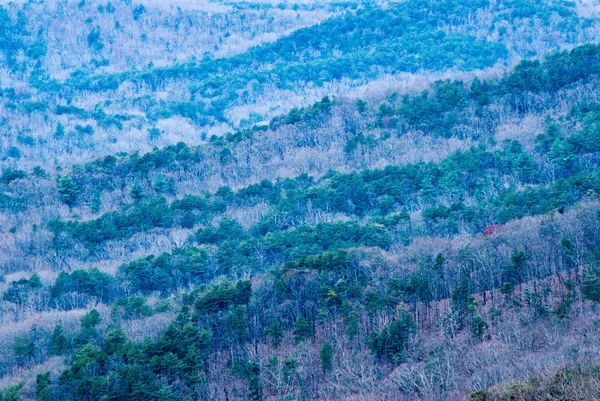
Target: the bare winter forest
pixel 299 200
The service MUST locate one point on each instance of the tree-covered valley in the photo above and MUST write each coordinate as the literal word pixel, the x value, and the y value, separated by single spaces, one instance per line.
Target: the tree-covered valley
pixel 303 200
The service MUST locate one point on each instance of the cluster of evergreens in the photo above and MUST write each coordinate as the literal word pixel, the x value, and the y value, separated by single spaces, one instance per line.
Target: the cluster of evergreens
pixel 189 273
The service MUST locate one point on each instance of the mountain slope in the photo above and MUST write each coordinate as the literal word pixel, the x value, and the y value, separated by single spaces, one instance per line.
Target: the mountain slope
pixel 417 218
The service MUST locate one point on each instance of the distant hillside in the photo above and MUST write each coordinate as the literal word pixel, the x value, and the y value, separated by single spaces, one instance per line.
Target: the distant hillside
pixel 567 385
pixel 299 201
pixel 198 91
pixel 396 233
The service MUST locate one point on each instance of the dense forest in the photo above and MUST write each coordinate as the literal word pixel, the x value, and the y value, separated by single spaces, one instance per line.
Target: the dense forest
pixel 311 200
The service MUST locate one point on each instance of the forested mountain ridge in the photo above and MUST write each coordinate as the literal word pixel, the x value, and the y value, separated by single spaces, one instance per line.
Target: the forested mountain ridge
pixel 80 106
pixel 414 215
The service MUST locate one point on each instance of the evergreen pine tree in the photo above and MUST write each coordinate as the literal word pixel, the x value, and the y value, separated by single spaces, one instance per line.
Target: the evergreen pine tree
pixel 276 333
pixel 96 202
pixel 68 190
pixel 136 192
pixel 254 385
pixel 326 356
pixel 58 341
